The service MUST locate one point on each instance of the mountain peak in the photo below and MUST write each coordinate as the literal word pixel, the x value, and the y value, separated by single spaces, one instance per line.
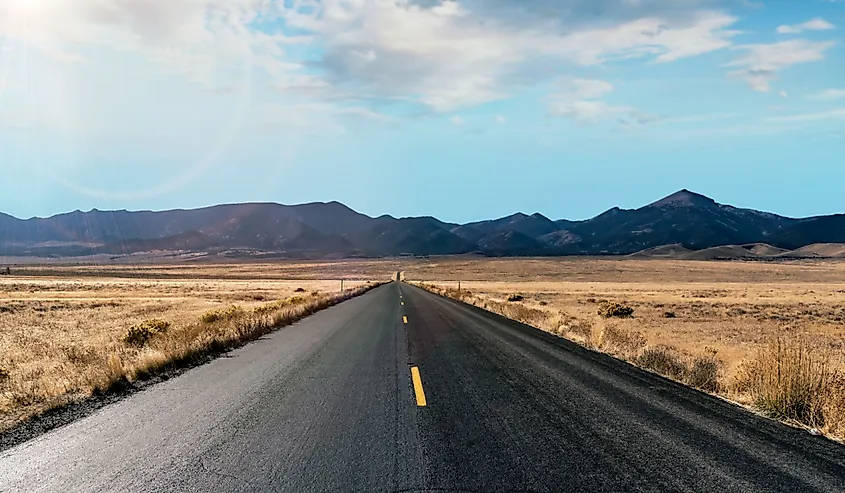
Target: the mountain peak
pixel 683 198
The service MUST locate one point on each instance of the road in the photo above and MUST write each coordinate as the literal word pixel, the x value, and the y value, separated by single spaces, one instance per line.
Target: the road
pixel 330 404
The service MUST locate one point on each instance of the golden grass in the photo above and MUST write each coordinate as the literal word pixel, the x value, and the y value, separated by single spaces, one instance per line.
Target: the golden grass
pixel 701 323
pixel 790 380
pixel 64 338
pixel 63 326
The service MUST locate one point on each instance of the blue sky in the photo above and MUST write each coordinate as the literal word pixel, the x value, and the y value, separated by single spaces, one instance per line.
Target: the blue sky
pixel 463 110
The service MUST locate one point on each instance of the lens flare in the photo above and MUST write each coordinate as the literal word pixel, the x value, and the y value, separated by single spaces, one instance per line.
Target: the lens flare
pixel 25 26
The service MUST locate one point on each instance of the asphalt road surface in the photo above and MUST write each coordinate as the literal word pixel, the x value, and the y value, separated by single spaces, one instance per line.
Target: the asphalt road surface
pixel 333 403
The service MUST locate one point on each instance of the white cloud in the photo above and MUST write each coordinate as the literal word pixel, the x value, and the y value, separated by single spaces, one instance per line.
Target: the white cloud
pixel 449 56
pixel 788 30
pixel 834 114
pixel 829 95
pixel 200 38
pixel 783 94
pixel 457 120
pixel 592 112
pixel 761 62
pixel 702 118
pixel 365 113
pixel 314 117
pixel 588 111
pixel 579 100
pixel 588 88
pixel 500 119
pixel 440 54
pixel 816 24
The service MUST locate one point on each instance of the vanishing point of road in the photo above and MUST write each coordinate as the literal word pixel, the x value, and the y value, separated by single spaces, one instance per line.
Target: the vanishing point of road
pixel 400 390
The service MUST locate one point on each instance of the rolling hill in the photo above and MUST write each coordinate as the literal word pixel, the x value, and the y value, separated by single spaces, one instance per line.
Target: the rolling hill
pixel 682 225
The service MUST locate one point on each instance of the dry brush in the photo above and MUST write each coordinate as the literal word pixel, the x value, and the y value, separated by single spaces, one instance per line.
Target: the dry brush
pixel 146 349
pixel 789 379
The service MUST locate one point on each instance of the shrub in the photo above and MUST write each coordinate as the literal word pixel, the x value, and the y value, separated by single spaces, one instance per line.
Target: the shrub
pixel 669 315
pixel 299 290
pixel 212 316
pixel 522 313
pixel 461 295
pixel 662 360
pixel 138 335
pixel 704 374
pixel 4 375
pixel 580 328
pixel 515 297
pixel 610 310
pixel 111 377
pixel 834 407
pixel 790 380
pixel 622 340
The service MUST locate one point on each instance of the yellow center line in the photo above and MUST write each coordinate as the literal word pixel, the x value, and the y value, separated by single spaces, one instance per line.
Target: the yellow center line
pixel 418 388
pixel 405 319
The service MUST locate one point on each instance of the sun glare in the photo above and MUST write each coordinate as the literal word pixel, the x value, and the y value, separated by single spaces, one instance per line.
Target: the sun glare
pixel 29 7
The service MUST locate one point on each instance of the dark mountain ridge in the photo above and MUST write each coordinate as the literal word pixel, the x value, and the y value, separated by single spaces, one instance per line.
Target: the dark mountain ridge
pixel 686 219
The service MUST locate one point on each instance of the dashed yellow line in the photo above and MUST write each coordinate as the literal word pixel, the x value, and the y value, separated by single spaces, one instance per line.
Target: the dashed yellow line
pixel 405 319
pixel 418 388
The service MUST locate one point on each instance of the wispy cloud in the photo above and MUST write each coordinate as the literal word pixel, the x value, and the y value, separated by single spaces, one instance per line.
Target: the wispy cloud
pixel 834 114
pixel 761 63
pixel 587 88
pixel 580 100
pixel 816 24
pixel 701 118
pixel 591 112
pixel 828 95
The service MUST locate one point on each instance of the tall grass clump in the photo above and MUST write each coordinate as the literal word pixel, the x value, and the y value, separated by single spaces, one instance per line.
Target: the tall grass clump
pixel 138 335
pixel 792 380
pixel 662 360
pixel 703 373
pixel 229 313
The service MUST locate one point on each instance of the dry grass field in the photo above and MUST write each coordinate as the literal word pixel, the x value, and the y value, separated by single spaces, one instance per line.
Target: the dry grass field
pixel 725 327
pixel 67 332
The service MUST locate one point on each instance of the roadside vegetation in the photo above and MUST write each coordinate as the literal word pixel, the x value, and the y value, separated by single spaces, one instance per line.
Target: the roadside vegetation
pixel 62 350
pixel 788 378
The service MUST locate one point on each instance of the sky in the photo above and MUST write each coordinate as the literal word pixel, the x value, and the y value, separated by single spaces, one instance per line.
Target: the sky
pixel 463 110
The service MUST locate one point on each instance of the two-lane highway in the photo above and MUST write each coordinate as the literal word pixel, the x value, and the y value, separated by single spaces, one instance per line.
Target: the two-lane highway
pixel 401 390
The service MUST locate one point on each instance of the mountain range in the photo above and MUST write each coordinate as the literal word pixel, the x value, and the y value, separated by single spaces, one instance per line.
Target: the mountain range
pixel 688 221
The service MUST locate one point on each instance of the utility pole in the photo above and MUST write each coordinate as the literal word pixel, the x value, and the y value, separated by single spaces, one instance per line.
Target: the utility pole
pixel 341 284
pixel 459 286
